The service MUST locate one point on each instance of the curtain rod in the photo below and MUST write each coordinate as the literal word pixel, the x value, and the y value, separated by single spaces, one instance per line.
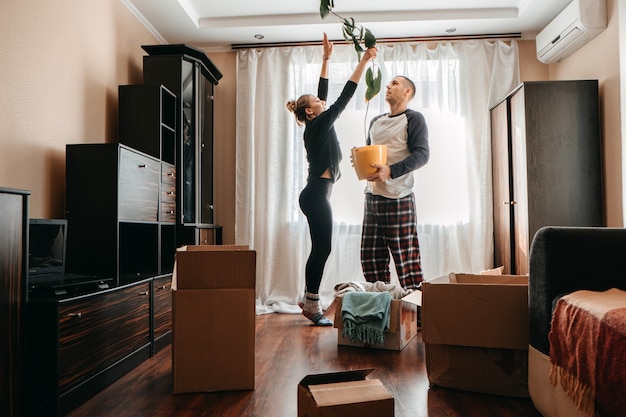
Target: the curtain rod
pixel 383 40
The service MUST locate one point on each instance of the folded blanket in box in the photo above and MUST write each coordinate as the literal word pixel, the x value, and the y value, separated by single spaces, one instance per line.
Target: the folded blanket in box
pixel 365 316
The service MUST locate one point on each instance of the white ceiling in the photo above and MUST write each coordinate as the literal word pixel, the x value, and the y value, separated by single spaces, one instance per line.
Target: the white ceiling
pixel 211 24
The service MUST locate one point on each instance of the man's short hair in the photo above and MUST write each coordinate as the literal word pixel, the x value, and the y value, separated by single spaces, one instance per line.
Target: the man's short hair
pixel 411 85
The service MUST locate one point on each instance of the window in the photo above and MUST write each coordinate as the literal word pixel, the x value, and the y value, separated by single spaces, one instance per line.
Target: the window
pixel 443 180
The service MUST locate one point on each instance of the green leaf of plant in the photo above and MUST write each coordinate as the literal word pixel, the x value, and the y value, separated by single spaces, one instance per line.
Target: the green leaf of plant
pixel 355 33
pixel 370 39
pixel 347 36
pixel 349 23
pixel 373 83
pixel 325 7
pixel 357 46
pixel 369 76
pixel 359 34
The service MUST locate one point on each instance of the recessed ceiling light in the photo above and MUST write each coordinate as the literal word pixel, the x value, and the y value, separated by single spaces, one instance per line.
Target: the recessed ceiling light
pixel 450 30
pixel 259 36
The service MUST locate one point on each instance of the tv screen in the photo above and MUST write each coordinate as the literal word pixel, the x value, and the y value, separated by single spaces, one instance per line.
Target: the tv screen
pixel 46 245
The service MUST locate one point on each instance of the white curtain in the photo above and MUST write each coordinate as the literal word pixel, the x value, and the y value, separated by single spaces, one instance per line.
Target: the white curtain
pixel 457 83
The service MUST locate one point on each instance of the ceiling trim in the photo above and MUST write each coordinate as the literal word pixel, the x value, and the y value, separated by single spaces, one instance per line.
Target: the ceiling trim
pixel 190 11
pixel 360 17
pixel 143 20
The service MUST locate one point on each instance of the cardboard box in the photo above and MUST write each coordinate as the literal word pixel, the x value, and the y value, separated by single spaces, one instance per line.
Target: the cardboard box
pixel 475 331
pixel 213 319
pixel 403 318
pixel 347 393
pixel 214 266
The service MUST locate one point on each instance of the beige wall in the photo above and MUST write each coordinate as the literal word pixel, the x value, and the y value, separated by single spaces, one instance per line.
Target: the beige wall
pixel 224 142
pixel 531 69
pixel 61 65
pixel 621 12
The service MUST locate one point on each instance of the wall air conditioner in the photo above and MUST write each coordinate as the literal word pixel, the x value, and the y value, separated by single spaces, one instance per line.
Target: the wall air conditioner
pixel 577 24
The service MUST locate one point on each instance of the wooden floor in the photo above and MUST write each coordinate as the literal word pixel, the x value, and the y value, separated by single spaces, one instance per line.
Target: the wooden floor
pixel 287 349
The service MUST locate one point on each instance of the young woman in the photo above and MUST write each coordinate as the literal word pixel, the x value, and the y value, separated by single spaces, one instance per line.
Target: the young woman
pixel 323 156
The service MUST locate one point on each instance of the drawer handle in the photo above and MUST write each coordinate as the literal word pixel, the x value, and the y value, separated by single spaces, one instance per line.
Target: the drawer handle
pixel 163 287
pixel 170 212
pixel 77 315
pixel 142 165
pixel 171 174
pixel 144 293
pixel 171 193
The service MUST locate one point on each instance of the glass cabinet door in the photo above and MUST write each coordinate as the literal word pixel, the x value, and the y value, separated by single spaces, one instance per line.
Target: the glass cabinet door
pixel 188 144
pixel 205 114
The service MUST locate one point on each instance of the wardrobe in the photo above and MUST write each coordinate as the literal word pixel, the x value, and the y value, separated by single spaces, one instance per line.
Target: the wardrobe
pixel 546 164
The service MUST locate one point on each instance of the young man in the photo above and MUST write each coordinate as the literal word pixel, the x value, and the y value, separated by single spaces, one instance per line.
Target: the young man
pixel 390 220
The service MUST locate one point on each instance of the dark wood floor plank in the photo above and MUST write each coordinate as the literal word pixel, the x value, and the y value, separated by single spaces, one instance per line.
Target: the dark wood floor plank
pixel 287 349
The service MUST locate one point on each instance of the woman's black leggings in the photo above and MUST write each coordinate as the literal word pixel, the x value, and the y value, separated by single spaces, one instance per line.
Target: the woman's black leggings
pixel 315 204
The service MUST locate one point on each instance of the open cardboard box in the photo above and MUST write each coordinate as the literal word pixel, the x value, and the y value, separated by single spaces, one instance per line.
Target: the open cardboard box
pixel 204 267
pixel 213 318
pixel 403 319
pixel 475 332
pixel 347 393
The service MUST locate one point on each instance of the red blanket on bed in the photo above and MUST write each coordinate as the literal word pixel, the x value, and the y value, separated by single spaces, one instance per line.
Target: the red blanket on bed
pixel 588 350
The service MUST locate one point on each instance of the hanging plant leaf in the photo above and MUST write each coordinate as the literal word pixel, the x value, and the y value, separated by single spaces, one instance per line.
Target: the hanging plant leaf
pixel 357 34
pixel 353 33
pixel 347 32
pixel 369 76
pixel 373 83
pixel 326 6
pixel 357 46
pixel 370 39
pixel 348 27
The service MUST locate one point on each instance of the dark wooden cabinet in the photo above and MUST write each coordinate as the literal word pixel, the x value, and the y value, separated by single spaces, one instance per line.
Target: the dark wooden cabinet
pixel 191 77
pixel 13 297
pixel 162 312
pixel 147 123
pixel 209 234
pixel 120 212
pixel 546 159
pixel 137 184
pixel 78 345
pixel 147 120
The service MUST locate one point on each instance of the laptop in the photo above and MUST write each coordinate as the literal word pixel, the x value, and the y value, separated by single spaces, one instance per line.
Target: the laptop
pixel 47 244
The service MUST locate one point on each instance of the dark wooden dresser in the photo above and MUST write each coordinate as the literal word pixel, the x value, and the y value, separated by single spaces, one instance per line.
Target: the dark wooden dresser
pixel 78 344
pixel 13 267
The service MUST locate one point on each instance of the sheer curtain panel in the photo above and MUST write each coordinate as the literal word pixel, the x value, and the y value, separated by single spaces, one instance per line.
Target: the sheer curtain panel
pixel 456 85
